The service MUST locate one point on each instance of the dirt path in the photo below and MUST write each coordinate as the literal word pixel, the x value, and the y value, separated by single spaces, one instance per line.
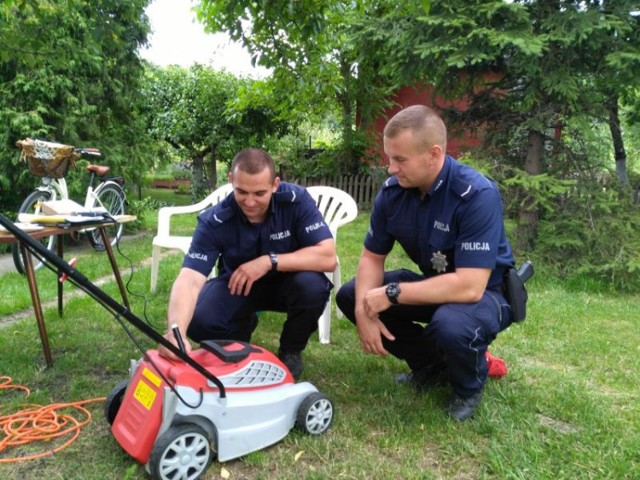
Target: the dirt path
pixel 6 259
pixel 15 317
pixel 6 265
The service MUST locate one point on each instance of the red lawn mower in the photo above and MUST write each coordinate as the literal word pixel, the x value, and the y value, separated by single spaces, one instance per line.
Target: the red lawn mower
pixel 223 400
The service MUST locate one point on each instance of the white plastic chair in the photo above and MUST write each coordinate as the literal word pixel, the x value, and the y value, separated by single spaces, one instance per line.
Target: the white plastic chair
pixel 338 208
pixel 164 239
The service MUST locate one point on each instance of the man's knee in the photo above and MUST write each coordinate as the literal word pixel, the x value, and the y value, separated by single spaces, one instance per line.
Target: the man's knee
pixel 218 314
pixel 456 327
pixel 450 327
pixel 345 300
pixel 311 288
pixel 199 331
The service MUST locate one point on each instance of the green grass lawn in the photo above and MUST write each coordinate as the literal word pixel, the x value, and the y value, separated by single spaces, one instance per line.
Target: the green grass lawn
pixel 567 409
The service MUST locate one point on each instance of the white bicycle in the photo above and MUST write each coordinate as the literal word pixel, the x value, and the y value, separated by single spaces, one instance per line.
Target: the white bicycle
pixel 51 161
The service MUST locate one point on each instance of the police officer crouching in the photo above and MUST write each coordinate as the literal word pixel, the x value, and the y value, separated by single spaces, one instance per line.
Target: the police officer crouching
pixel 272 247
pixel 448 219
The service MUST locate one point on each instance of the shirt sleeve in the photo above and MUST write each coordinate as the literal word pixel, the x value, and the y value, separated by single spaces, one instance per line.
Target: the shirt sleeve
pixel 311 227
pixel 480 228
pixel 203 252
pixel 377 239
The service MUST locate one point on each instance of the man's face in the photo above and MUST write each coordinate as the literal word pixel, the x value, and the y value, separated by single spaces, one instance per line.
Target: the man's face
pixel 253 193
pixel 413 168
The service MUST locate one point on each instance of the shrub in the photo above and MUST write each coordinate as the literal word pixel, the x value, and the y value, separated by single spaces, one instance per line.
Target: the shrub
pixel 588 224
pixel 140 208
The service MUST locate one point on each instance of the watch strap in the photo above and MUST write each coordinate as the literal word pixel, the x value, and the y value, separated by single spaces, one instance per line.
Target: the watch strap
pixel 274 261
pixel 392 291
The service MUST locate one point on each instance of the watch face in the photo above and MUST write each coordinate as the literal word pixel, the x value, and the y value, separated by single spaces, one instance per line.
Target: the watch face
pixel 393 290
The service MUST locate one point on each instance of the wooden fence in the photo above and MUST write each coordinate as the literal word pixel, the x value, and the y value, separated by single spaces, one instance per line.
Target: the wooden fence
pixel 363 188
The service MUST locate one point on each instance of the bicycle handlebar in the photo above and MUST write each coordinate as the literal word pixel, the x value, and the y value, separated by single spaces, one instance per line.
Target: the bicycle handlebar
pixel 89 152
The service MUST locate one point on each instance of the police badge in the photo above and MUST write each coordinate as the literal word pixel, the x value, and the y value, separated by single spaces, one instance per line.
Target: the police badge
pixel 439 262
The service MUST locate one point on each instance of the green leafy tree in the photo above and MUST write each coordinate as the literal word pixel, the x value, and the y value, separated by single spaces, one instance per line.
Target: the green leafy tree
pixel 317 67
pixel 69 72
pixel 526 68
pixel 193 110
pixel 618 77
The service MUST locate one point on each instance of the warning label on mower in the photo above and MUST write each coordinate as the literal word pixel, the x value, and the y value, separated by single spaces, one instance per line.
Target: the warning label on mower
pixel 145 394
pixel 152 377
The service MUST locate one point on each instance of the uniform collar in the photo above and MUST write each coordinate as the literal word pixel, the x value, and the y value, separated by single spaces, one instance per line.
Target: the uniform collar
pixel 442 177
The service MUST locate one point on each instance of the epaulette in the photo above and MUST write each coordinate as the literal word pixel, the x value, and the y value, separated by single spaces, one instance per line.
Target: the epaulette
pixel 215 217
pixel 462 187
pixel 288 196
pixel 390 182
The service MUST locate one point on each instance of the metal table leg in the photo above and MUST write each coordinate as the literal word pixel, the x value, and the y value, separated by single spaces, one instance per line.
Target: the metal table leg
pixel 114 266
pixel 59 249
pixel 37 306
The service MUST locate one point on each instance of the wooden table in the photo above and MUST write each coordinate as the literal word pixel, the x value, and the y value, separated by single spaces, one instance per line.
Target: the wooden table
pixel 7 237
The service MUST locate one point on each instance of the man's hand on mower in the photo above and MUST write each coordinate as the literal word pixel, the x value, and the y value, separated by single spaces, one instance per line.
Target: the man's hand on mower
pixel 166 353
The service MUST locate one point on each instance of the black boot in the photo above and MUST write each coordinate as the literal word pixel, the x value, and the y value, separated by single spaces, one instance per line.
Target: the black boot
pixel 463 408
pixel 423 378
pixel 293 361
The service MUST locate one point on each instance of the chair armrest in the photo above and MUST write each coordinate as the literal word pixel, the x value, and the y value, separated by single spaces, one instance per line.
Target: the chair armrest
pixel 165 213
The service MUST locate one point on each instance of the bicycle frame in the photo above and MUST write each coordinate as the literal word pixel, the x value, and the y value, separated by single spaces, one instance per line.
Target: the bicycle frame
pixel 108 194
pixel 91 198
pixel 59 189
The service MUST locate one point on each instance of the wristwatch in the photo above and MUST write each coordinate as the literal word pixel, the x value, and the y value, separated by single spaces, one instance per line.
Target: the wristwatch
pixel 393 290
pixel 274 261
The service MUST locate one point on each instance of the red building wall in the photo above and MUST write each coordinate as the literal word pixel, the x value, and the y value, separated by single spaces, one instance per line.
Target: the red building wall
pixel 459 141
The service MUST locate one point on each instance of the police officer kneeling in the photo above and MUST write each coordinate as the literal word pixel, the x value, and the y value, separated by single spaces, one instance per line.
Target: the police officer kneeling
pixel 272 247
pixel 448 219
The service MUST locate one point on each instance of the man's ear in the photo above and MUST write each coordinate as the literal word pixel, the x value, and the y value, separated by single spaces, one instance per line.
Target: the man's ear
pixel 276 182
pixel 436 151
pixel 230 177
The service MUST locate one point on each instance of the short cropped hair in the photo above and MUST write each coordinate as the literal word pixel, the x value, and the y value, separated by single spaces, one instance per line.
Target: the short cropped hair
pixel 252 161
pixel 424 122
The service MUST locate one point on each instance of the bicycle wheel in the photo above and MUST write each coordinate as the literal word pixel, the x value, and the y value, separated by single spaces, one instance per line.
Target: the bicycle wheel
pixel 32 204
pixel 111 197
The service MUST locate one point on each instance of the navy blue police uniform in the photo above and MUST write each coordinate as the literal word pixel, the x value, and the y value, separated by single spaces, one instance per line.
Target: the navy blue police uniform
pixel 457 224
pixel 224 235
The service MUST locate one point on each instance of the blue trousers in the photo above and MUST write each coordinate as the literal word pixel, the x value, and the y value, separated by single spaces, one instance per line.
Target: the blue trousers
pixel 222 316
pixel 451 337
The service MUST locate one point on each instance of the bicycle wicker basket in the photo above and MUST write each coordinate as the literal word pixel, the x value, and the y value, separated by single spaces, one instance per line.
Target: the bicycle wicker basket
pixel 47 159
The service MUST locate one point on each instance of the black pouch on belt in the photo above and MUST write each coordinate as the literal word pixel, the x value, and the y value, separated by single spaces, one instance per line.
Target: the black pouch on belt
pixel 515 291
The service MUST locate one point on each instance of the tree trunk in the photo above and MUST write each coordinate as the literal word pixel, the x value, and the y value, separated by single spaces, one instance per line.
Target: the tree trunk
pixel 350 161
pixel 528 211
pixel 212 177
pixel 199 187
pixel 618 143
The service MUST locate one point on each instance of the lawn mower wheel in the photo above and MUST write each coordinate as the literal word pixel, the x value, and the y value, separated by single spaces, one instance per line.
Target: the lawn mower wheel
pixel 182 452
pixel 114 400
pixel 315 414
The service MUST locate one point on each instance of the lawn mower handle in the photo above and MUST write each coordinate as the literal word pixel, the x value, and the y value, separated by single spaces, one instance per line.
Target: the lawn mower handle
pixel 105 300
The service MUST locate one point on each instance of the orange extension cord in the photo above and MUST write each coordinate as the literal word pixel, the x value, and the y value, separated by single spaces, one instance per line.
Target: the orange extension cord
pixel 40 423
